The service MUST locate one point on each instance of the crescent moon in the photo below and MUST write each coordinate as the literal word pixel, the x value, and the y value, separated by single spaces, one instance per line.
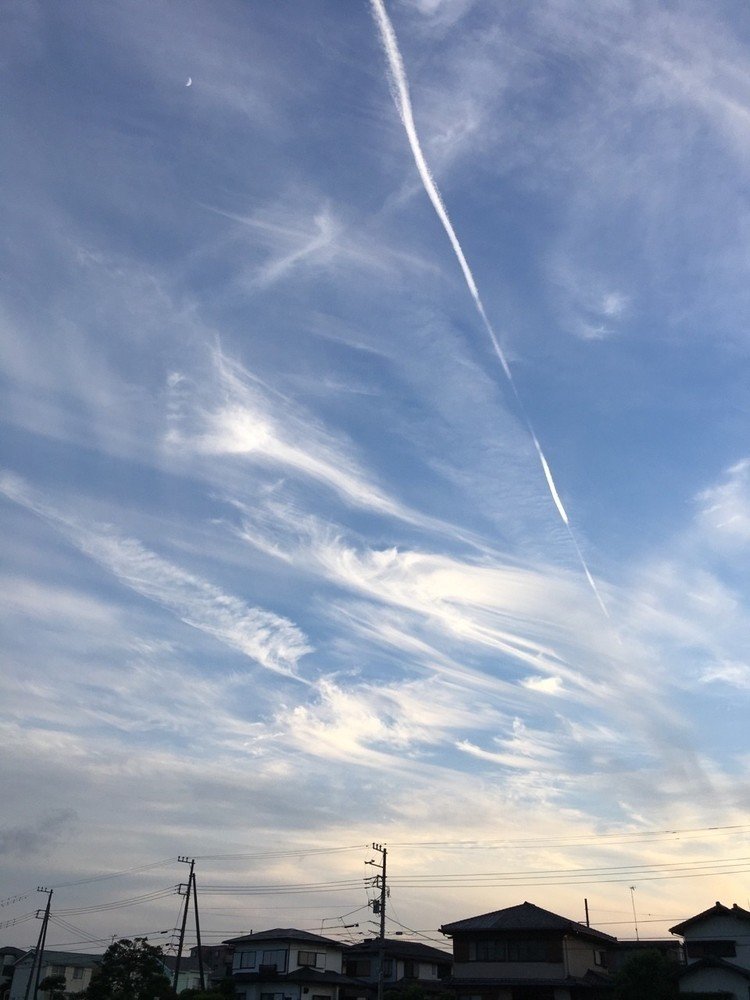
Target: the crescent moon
pixel 189 82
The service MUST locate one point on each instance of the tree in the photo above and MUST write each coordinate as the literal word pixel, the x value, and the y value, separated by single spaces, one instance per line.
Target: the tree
pixel 54 987
pixel 131 970
pixel 647 974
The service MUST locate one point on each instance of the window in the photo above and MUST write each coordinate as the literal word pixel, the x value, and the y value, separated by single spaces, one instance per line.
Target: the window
pixel 411 969
pixel 359 968
pixel 245 959
pixel 600 958
pixel 527 951
pixel 515 950
pixel 57 970
pixel 388 968
pixel 78 972
pixel 310 958
pixel 711 949
pixel 275 957
pixel 489 951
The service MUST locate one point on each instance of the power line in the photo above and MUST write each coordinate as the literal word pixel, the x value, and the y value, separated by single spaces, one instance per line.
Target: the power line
pixel 147 897
pixel 585 840
pixel 301 852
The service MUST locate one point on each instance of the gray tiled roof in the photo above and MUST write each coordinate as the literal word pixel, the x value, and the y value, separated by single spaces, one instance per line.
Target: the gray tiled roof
pixel 717 910
pixel 400 949
pixel 524 917
pixel 283 934
pixel 66 958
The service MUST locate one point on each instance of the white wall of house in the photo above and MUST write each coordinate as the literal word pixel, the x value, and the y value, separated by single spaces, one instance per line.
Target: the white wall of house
pixel 723 927
pixel 287 956
pixel 77 978
pixel 714 981
pixel 583 955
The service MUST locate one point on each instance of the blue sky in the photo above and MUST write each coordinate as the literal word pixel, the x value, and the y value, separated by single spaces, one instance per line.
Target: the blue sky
pixel 282 565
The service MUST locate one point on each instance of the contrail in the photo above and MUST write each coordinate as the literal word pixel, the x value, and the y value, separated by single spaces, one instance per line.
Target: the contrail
pixel 400 90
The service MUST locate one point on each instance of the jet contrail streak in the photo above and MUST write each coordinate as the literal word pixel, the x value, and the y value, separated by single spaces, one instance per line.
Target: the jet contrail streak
pixel 400 90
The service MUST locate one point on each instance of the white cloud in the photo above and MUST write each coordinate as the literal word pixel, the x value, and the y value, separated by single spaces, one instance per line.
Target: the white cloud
pixel 733 674
pixel 271 640
pixel 724 512
pixel 545 685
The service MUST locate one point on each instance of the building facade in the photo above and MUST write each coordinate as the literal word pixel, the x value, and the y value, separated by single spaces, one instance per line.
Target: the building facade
pixel 527 953
pixel 77 970
pixel 287 964
pixel 717 953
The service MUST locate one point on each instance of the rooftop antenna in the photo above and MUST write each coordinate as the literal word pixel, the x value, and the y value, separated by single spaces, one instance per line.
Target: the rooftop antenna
pixel 635 918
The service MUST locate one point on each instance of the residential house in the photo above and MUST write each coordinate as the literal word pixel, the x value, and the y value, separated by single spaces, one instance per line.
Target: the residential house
pixel 217 961
pixel 405 963
pixel 287 964
pixel 717 953
pixel 527 953
pixel 622 951
pixel 189 976
pixel 76 968
pixel 8 958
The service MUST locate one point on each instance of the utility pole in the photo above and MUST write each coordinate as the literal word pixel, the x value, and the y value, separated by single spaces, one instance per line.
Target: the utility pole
pixel 191 862
pixel 36 965
pixel 378 906
pixel 190 889
pixel 198 932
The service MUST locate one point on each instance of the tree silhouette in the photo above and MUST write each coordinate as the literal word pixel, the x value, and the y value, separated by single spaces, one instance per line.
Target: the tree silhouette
pixel 130 970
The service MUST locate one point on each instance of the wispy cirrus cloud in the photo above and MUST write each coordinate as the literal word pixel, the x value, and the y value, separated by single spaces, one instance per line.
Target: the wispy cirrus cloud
pixel 305 236
pixel 271 640
pixel 251 421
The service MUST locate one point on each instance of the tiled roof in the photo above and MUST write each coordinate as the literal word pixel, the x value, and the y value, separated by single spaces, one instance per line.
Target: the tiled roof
pixel 712 963
pixel 400 949
pixel 490 985
pixel 65 958
pixel 525 917
pixel 303 975
pixel 717 910
pixel 283 934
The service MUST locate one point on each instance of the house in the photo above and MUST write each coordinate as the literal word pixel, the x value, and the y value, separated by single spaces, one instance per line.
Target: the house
pixel 8 958
pixel 527 953
pixel 405 963
pixel 717 953
pixel 76 968
pixel 287 964
pixel 622 951
pixel 189 976
pixel 217 961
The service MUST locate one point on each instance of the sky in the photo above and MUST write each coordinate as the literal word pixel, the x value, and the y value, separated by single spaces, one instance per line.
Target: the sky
pixel 374 461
